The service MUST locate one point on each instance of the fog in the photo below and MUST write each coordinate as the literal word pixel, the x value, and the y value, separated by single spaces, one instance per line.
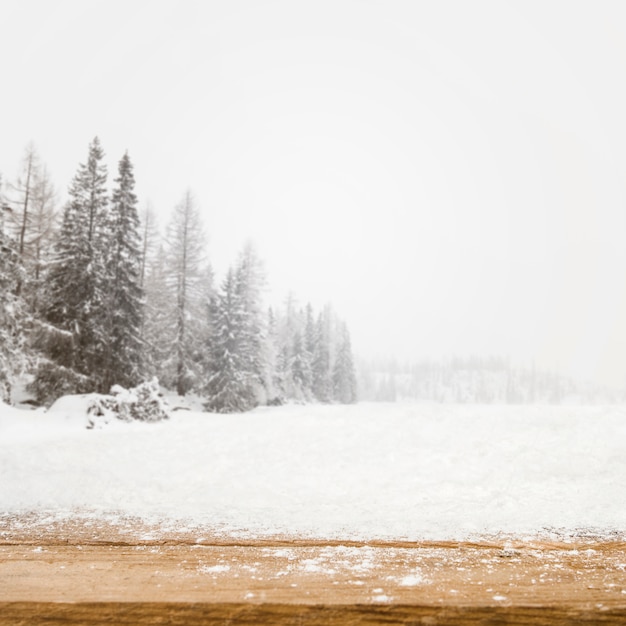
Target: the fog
pixel 450 175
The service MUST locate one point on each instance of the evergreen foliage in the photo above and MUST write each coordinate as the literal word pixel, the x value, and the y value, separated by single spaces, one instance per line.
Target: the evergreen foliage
pixel 301 368
pixel 107 304
pixel 320 368
pixel 76 296
pixel 124 298
pixel 238 375
pixel 228 388
pixel 252 334
pixel 13 316
pixel 158 321
pixel 344 377
pixel 312 361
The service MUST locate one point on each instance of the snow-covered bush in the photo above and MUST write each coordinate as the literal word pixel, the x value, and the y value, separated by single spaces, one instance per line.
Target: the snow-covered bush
pixel 141 403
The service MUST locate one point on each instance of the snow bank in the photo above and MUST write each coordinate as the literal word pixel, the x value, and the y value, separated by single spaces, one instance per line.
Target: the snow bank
pixel 362 471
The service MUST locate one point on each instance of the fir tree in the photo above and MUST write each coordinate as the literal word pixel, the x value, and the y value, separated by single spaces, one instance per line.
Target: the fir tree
pixel 156 328
pixel 310 336
pixel 74 336
pixel 158 332
pixel 273 376
pixel 251 333
pixel 301 368
pixel 320 368
pixel 238 365
pixel 150 242
pixel 344 378
pixel 13 318
pixel 228 388
pixel 124 297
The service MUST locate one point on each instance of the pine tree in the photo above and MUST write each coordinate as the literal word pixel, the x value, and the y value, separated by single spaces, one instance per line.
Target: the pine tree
pixel 156 327
pixel 320 368
pixel 273 376
pixel 344 378
pixel 13 318
pixel 228 388
pixel 150 242
pixel 287 324
pixel 249 282
pixel 301 368
pixel 73 337
pixel 310 335
pixel 158 332
pixel 238 366
pixel 124 297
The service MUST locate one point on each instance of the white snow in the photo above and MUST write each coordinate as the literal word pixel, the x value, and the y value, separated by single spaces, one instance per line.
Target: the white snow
pixel 381 598
pixel 413 580
pixel 214 569
pixel 366 471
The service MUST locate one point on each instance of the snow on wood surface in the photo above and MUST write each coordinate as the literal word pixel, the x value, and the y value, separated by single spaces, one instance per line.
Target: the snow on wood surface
pixel 366 471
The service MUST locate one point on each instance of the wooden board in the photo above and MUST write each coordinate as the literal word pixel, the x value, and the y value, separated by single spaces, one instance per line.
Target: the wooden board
pixel 75 573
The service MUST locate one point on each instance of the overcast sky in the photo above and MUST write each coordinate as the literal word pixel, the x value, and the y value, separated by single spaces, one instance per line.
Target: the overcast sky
pixel 450 175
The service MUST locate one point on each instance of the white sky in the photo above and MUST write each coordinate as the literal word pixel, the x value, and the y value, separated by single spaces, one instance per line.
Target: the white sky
pixel 451 175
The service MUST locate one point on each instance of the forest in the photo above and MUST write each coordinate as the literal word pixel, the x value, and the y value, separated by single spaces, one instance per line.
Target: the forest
pixel 475 380
pixel 95 296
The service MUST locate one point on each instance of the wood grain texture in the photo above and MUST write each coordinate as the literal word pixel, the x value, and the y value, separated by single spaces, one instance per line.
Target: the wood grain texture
pixel 75 574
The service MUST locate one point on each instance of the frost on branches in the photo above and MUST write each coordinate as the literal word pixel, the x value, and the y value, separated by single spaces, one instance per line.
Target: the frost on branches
pixel 13 358
pixel 89 332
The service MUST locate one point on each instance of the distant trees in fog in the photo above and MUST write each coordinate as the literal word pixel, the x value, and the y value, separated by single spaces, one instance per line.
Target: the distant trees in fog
pixel 479 380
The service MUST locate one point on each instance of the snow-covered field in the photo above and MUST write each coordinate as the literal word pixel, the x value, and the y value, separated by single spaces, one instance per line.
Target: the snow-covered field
pixel 366 471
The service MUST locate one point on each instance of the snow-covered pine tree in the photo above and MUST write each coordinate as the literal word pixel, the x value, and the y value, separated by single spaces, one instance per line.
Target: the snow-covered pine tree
pixel 157 300
pixel 252 335
pixel 73 335
pixel 13 317
pixel 320 367
pixel 228 388
pixel 186 279
pixel 287 323
pixel 310 334
pixel 158 332
pixel 344 378
pixel 124 298
pixel 308 351
pixel 150 241
pixel 274 381
pixel 301 368
pixel 238 372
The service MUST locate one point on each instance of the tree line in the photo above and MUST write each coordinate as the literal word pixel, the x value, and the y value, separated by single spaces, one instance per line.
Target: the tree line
pixel 475 380
pixel 95 296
